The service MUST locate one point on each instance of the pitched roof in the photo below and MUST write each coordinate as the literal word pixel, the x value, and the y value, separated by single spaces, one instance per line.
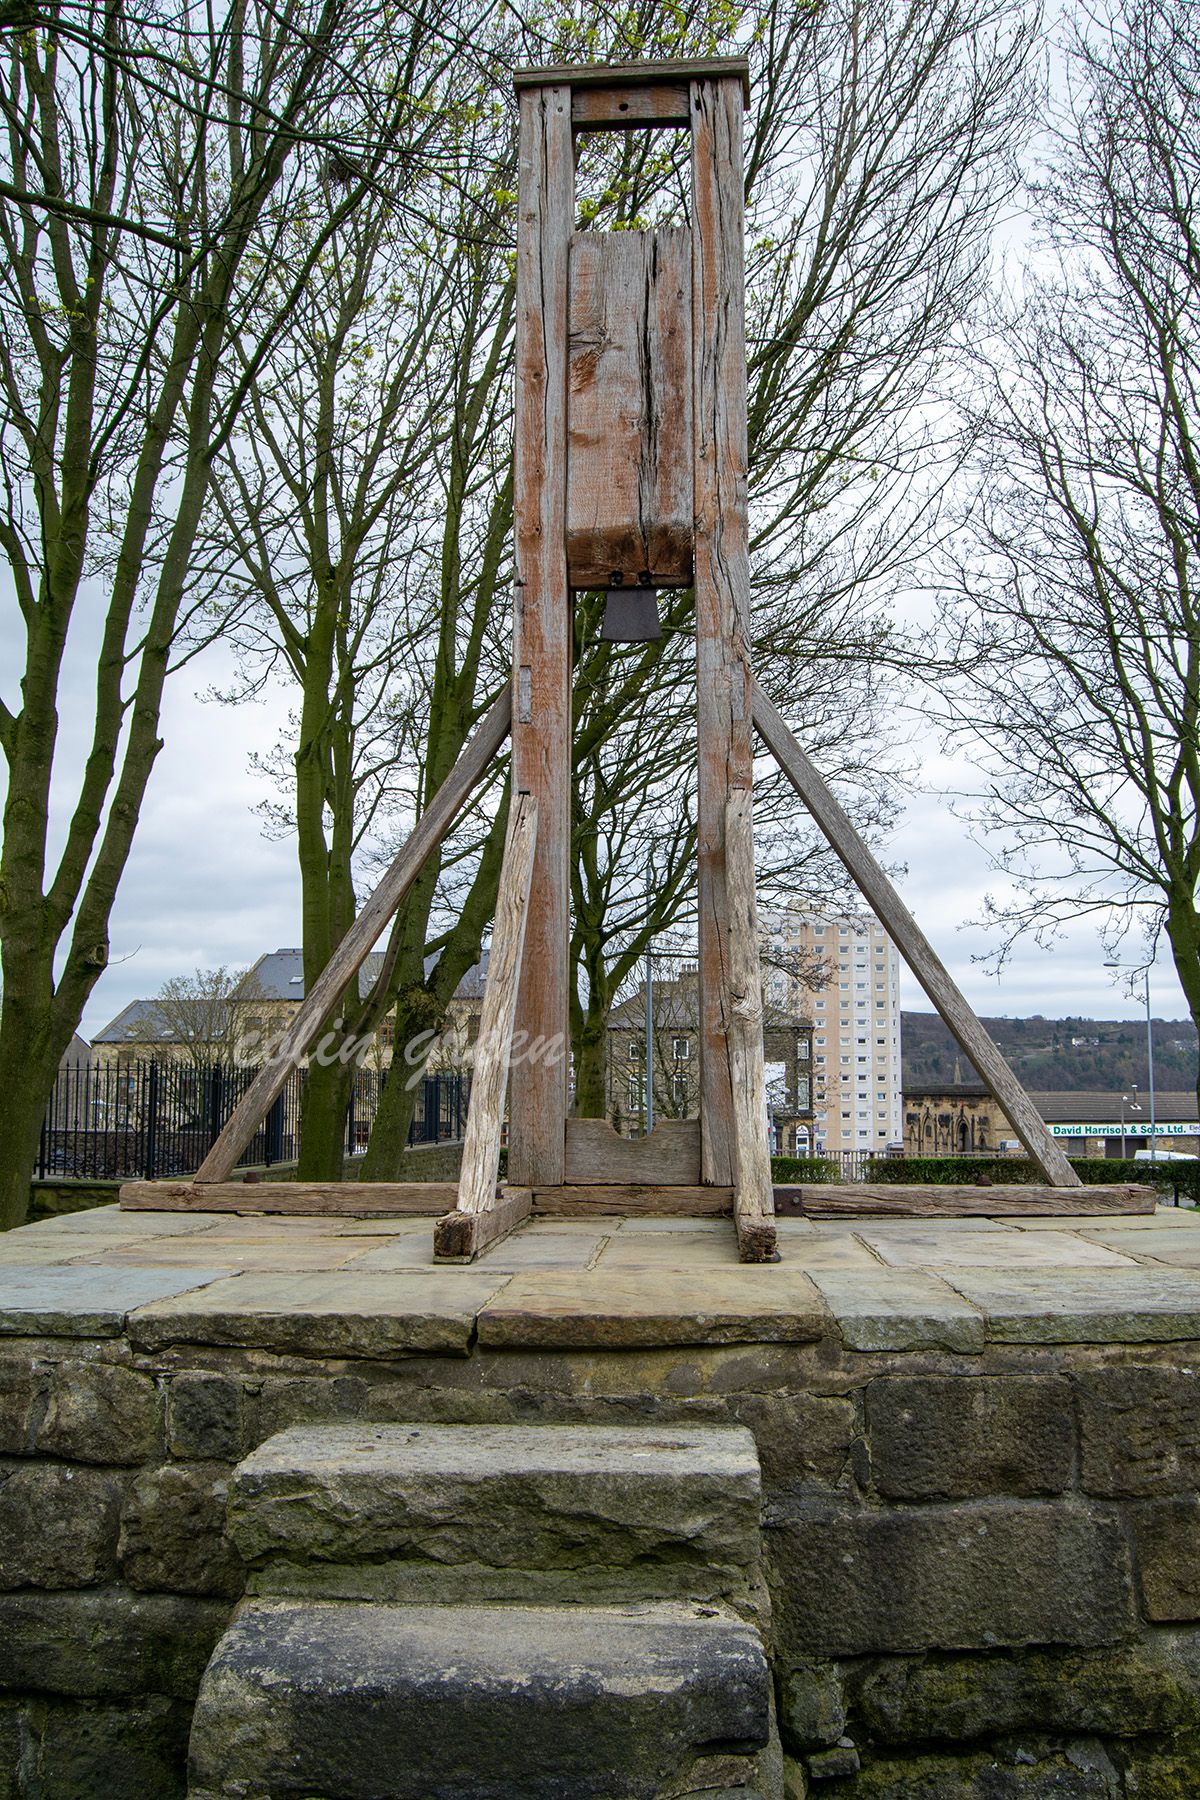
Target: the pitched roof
pixel 279 975
pixel 138 1023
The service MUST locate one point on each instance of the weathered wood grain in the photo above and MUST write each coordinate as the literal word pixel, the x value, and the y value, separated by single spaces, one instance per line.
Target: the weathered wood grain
pixel 461 1236
pixel 480 1167
pixel 346 1198
pixel 630 74
pixel 753 1202
pixel 671 1153
pixel 634 1199
pixel 542 629
pixel 630 108
pixel 913 945
pixel 629 408
pixel 909 1200
pixel 351 953
pixel 722 569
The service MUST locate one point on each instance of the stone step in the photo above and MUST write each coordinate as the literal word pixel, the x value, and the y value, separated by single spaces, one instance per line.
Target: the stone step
pixel 537 1513
pixel 336 1701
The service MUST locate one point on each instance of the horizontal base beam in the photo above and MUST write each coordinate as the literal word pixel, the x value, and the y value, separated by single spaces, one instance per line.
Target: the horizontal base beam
pixel 348 1199
pixel 460 1236
pixel 930 1201
pixel 573 1202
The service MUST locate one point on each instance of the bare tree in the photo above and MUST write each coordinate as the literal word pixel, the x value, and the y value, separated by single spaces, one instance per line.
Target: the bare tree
pixel 204 1012
pixel 158 161
pixel 1078 614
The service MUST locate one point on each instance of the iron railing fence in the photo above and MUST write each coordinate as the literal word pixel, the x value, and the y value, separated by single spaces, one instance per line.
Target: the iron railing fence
pixel 155 1118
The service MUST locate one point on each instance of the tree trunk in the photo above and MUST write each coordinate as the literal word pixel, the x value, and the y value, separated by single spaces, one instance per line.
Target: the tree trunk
pixel 29 1052
pixel 323 1109
pixel 1183 934
pixel 417 1015
pixel 591 1098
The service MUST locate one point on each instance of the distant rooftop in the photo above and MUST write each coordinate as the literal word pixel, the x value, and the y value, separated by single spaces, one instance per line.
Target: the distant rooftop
pixel 279 975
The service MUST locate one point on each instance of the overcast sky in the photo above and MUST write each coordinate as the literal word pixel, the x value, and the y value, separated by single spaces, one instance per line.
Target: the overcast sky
pixel 206 887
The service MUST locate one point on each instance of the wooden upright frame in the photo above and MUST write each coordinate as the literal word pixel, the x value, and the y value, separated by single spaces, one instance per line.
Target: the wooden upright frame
pixel 630 465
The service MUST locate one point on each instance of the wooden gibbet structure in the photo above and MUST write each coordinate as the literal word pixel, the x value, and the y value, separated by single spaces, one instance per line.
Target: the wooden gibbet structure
pixel 630 473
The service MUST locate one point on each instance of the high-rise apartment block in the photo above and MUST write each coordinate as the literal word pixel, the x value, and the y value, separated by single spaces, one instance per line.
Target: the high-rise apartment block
pixel 844 971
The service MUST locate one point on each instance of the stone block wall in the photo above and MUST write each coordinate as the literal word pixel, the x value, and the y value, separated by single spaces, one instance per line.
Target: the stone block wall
pixel 985 1569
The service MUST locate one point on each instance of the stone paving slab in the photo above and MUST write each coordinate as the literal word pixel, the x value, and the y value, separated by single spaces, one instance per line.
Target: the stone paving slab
pixel 899 1309
pixel 111 1221
pixel 1090 1222
pixel 634 1227
pixel 88 1301
pixel 539 1250
pixel 635 1308
pixel 673 1249
pixel 1180 1245
pixel 1085 1306
pixel 844 1252
pixel 995 1250
pixel 340 1314
pixel 282 1258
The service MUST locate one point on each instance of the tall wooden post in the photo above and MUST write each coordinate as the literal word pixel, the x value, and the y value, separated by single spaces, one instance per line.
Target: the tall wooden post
pixel 722 572
pixel 541 713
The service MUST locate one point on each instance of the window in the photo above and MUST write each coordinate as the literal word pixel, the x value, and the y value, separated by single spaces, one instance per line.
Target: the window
pixel 802 1090
pixel 634 1053
pixel 681 1049
pixel 820 1059
pixel 679 1089
pixel 802 1049
pixel 634 1095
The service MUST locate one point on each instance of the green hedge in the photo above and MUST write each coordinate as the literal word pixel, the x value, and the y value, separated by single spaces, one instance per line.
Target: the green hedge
pixel 805 1168
pixel 1179 1178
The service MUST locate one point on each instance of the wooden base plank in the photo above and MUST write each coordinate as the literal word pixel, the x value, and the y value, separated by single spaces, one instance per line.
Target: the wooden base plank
pixel 903 1200
pixel 345 1199
pixel 575 1202
pixel 669 1156
pixel 460 1236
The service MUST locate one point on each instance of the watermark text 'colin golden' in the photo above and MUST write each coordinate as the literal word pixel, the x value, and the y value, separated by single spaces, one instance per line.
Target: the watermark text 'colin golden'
pixel 442 1049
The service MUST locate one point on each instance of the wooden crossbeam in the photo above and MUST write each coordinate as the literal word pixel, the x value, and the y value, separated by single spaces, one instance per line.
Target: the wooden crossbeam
pixel 914 946
pixel 356 1199
pixel 932 1200
pixel 753 1203
pixel 481 1216
pixel 358 941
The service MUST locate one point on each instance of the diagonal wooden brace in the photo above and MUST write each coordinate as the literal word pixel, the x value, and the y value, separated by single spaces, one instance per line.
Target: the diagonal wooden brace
pixel 358 941
pixel 482 1216
pixel 913 945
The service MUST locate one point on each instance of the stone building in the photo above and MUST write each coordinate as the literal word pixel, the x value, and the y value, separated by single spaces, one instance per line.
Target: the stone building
pixel 963 1119
pixel 787 1043
pixel 843 971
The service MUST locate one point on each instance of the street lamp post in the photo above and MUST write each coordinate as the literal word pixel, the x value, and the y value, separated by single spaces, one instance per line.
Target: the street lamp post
pixel 1149 1061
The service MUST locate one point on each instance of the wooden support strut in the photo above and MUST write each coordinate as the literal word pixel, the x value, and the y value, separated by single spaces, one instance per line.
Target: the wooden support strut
pixel 358 941
pixel 913 945
pixel 722 573
pixel 482 1216
pixel 542 630
pixel 753 1202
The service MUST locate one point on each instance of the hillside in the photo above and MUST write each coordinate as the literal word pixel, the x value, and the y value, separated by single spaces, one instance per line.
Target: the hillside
pixel 1055 1055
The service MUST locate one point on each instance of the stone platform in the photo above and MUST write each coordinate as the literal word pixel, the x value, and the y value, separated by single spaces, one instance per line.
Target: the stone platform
pixel 980 1445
